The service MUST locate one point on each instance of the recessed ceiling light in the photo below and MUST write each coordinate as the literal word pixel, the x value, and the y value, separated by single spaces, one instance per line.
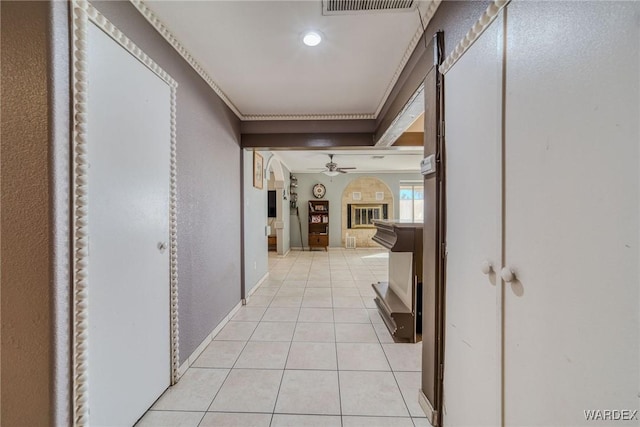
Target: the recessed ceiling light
pixel 312 38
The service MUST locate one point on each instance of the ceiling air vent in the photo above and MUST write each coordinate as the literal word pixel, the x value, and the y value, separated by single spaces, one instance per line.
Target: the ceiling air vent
pixel 344 7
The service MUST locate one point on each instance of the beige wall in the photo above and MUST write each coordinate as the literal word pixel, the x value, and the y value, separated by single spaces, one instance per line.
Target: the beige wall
pixel 26 309
pixel 367 186
pixel 335 188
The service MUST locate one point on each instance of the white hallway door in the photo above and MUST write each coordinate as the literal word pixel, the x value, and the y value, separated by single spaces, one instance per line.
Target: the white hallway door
pixel 571 201
pixel 473 111
pixel 543 144
pixel 129 135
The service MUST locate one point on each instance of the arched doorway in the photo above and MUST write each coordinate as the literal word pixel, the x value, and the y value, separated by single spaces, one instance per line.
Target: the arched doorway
pixel 275 167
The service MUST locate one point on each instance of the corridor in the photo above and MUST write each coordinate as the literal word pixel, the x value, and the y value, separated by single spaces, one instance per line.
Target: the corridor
pixel 308 349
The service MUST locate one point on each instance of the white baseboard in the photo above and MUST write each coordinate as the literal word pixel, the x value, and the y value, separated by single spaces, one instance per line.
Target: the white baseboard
pixel 306 248
pixel 198 351
pixel 427 408
pixel 255 287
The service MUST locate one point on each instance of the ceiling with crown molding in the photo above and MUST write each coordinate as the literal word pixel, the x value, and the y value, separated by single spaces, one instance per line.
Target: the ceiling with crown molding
pixel 402 160
pixel 253 51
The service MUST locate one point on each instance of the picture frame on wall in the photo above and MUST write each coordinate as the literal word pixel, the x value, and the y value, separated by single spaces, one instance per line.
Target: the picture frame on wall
pixel 257 170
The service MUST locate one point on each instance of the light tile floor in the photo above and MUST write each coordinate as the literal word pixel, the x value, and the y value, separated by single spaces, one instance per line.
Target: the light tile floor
pixel 308 349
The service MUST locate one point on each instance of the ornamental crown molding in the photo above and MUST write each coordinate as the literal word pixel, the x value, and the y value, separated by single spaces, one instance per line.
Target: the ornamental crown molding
pixel 151 17
pixel 166 33
pixel 489 15
pixel 256 117
pixel 426 18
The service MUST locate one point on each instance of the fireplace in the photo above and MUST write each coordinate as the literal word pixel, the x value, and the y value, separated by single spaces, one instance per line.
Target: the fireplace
pixel 362 215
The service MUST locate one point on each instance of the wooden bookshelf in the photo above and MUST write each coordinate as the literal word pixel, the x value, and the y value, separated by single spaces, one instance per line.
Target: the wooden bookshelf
pixel 319 224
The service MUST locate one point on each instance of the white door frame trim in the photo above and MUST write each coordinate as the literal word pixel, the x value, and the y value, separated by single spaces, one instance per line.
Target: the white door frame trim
pixel 274 165
pixel 82 15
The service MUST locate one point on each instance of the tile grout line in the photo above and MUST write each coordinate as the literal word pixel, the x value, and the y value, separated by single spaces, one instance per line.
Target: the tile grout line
pixel 275 403
pixel 335 333
pixel 284 368
pixel 202 418
pixel 231 369
pixel 338 367
pixel 297 369
pixel 315 259
pixel 226 377
pixel 393 374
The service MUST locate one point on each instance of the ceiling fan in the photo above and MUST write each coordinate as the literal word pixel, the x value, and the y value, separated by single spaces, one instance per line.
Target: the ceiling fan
pixel 332 169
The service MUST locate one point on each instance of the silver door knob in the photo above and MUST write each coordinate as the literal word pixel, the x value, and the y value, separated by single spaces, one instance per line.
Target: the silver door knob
pixel 486 267
pixel 508 275
pixel 162 246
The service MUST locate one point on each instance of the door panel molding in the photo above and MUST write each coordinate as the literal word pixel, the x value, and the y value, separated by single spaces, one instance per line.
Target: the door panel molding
pixel 473 364
pixel 82 15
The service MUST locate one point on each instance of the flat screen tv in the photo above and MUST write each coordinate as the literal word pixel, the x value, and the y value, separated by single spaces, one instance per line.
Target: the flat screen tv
pixel 271 207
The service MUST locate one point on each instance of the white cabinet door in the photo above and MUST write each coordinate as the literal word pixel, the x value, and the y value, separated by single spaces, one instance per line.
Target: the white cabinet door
pixel 128 133
pixel 473 114
pixel 571 218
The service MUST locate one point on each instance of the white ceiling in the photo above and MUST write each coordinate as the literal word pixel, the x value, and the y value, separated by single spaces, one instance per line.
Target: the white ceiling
pixel 395 160
pixel 253 52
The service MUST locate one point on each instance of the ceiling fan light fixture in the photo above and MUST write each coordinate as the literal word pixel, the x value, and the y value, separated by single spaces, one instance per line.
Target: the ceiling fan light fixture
pixel 312 38
pixel 331 173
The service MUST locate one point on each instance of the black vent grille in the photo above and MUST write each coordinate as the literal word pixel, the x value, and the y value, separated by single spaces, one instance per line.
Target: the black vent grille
pixel 337 7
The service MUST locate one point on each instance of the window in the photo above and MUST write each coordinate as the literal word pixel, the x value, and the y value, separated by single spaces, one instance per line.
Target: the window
pixel 411 202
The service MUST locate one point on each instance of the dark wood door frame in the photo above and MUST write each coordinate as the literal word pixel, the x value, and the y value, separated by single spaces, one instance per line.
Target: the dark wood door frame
pixel 434 241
